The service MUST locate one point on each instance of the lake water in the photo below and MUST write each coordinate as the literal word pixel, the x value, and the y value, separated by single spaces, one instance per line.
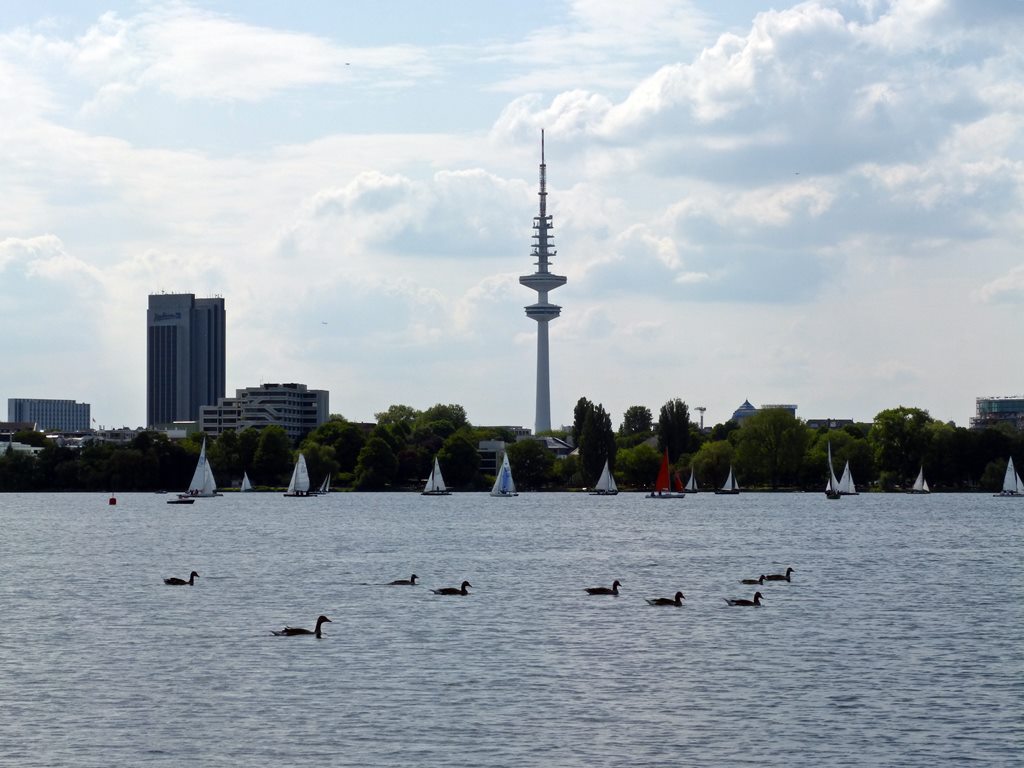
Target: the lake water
pixel 898 642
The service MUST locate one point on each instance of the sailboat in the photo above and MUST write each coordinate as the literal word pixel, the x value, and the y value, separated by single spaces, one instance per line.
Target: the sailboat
pixel 1012 485
pixel 846 486
pixel 203 485
pixel 666 487
pixel 832 485
pixel 503 484
pixel 325 486
pixel 920 485
pixel 246 485
pixel 299 484
pixel 731 487
pixel 691 484
pixel 435 483
pixel 605 483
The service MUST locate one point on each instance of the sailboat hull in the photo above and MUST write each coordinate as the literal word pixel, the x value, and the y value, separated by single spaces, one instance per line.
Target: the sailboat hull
pixel 435 493
pixel 603 493
pixel 663 483
pixel 727 492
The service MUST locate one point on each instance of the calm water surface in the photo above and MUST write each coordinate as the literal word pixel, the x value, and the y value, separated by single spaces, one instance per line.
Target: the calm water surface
pixel 899 641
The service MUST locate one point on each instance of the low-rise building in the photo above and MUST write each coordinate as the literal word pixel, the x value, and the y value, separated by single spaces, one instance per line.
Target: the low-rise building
pixel 829 423
pixel 295 407
pixel 491 453
pixel 994 411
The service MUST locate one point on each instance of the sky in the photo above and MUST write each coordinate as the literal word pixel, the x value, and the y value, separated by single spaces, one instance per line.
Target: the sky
pixel 819 203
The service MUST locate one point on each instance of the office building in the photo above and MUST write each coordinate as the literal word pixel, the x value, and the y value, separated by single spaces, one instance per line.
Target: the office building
pixel 50 415
pixel 994 411
pixel 293 406
pixel 185 352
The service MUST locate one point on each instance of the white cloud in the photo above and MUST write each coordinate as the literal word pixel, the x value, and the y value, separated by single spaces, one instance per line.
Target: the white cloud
pixel 1008 288
pixel 723 197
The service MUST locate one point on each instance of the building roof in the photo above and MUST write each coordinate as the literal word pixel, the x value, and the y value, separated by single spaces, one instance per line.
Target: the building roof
pixel 17 426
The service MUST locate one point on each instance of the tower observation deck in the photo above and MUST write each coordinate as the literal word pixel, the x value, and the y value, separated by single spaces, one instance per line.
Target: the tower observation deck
pixel 542 281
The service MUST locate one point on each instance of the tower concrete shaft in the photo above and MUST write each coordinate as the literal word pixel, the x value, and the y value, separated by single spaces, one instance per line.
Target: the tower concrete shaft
pixel 542 281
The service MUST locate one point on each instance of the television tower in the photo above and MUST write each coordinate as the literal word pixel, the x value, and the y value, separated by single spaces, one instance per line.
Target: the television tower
pixel 543 311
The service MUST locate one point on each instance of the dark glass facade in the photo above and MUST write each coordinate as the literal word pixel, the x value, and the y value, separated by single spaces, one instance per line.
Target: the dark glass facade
pixel 185 352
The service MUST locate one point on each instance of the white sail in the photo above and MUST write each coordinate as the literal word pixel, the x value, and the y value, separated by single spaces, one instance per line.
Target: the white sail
pixel 920 484
pixel 1011 480
pixel 503 484
pixel 832 485
pixel 730 482
pixel 325 486
pixel 435 483
pixel 202 483
pixel 846 486
pixel 246 485
pixel 606 482
pixel 691 484
pixel 299 484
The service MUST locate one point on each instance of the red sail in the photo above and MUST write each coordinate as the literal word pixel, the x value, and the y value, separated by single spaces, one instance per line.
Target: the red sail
pixel 661 484
pixel 677 484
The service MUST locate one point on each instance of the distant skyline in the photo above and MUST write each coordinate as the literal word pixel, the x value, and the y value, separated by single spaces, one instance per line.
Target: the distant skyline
pixel 820 204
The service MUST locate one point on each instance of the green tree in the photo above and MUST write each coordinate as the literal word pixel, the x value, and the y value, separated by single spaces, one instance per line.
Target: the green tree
pixel 532 464
pixel 579 416
pixel 397 414
pixel 248 444
pixel 637 420
pixel 459 460
pixel 568 472
pixel 225 459
pixel 637 467
pixel 273 461
pixel 377 465
pixel 31 437
pixel 320 462
pixel 712 462
pixel 454 414
pixel 899 439
pixel 344 437
pixel 130 471
pixel 596 443
pixel 770 448
pixel 674 428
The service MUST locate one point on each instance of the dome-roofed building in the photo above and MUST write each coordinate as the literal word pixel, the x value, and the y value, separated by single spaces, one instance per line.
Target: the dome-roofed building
pixel 744 412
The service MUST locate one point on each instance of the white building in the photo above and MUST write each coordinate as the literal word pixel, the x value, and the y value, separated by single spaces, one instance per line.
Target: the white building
pixel 293 406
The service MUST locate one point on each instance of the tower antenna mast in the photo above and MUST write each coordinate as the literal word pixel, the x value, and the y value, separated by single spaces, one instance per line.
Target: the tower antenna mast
pixel 542 311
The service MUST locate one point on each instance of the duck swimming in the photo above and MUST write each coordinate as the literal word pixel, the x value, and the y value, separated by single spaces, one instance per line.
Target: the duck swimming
pixel 780 576
pixel 605 590
pixel 411 581
pixel 759 580
pixel 176 582
pixel 289 631
pixel 453 590
pixel 676 601
pixel 756 601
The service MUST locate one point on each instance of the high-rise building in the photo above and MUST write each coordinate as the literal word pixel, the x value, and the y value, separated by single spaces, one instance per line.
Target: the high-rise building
pixel 293 406
pixel 184 356
pixel 56 415
pixel 542 281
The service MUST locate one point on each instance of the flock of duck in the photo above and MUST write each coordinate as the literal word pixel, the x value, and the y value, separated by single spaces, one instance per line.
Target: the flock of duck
pixel 462 590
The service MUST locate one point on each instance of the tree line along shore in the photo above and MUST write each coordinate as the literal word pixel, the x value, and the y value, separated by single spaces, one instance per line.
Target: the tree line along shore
pixel 772 450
